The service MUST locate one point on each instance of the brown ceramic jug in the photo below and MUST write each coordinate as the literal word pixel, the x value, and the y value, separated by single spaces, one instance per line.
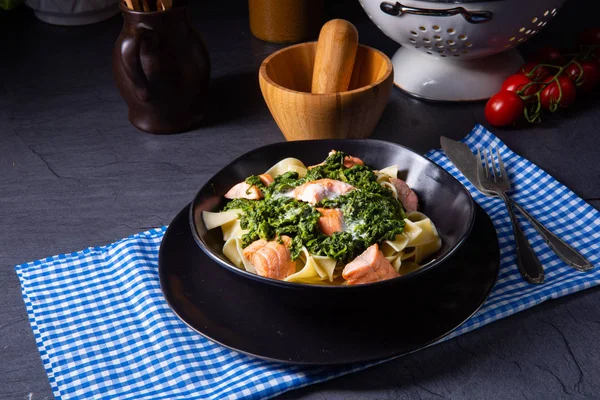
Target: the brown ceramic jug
pixel 162 69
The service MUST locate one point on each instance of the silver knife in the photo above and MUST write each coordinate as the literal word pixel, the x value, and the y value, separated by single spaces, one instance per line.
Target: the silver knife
pixel 466 162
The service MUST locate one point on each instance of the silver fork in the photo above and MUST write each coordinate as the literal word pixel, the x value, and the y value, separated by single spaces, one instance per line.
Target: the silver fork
pixel 498 183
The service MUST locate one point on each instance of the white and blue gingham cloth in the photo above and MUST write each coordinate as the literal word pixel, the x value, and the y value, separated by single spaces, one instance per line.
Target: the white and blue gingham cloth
pixel 104 329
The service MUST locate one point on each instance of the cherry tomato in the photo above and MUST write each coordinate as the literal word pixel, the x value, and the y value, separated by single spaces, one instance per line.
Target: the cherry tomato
pixel 550 55
pixel 540 73
pixel 517 82
pixel 504 108
pixel 574 71
pixel 591 76
pixel 589 37
pixel 563 95
pixel 586 75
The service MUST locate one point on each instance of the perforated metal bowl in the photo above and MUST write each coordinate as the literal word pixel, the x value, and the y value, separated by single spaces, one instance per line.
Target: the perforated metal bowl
pixel 466 45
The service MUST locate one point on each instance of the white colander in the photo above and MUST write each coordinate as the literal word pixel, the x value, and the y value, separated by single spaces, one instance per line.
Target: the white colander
pixel 456 50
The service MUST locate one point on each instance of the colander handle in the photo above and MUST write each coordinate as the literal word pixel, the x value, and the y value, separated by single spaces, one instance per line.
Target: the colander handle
pixel 474 17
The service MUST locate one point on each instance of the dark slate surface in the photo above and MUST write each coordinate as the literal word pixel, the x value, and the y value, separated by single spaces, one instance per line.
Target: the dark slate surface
pixel 74 173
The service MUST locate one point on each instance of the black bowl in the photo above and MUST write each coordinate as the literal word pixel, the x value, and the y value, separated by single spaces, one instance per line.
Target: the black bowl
pixel 441 197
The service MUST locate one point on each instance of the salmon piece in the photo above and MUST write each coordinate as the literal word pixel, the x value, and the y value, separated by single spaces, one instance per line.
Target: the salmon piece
pixel 370 266
pixel 349 161
pixel 330 220
pixel 253 248
pixel 266 179
pixel 244 191
pixel 315 191
pixel 406 195
pixel 273 260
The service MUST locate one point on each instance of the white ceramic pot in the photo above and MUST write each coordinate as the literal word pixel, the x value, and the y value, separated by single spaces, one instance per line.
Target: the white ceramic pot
pixel 73 12
pixel 458 50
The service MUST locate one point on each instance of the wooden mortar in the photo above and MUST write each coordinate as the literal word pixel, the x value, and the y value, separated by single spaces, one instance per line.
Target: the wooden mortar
pixel 286 81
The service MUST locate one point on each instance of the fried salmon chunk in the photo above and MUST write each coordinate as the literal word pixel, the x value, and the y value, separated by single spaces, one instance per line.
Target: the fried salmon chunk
pixel 315 191
pixel 370 266
pixel 271 259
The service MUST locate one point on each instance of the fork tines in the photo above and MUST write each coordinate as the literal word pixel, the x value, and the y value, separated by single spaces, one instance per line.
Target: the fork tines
pixel 495 172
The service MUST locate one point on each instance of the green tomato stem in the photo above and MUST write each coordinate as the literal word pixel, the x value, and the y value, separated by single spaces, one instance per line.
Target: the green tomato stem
pixel 532 112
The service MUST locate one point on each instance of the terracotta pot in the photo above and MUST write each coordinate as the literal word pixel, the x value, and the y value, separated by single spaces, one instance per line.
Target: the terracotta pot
pixel 162 69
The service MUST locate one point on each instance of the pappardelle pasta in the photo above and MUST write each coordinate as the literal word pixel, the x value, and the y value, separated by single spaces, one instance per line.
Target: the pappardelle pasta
pixel 335 223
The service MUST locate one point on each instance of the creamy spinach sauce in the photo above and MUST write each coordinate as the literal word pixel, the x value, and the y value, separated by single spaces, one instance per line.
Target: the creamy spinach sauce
pixel 371 213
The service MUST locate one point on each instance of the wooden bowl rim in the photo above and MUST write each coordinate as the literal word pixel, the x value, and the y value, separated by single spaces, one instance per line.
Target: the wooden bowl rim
pixel 263 72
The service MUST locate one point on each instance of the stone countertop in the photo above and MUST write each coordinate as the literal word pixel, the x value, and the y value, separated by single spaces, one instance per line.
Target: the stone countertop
pixel 75 173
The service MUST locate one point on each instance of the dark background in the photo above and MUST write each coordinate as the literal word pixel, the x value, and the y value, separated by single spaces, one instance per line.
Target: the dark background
pixel 74 173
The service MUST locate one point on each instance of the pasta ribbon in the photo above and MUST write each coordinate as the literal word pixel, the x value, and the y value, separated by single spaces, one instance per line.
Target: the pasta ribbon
pixel 397 245
pixel 300 170
pixel 423 242
pixel 214 219
pixel 428 233
pixel 234 252
pixel 231 252
pixel 233 229
pixel 409 252
pixel 397 264
pixel 408 267
pixel 395 260
pixel 393 250
pixel 411 230
pixel 307 274
pixel 416 216
pixel 391 187
pixel 387 172
pixel 325 266
pixel 316 269
pixel 286 165
pixel 424 251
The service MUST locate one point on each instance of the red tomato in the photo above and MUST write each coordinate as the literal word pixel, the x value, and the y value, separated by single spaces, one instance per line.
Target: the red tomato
pixel 517 82
pixel 590 37
pixel 550 55
pixel 585 75
pixel 574 72
pixel 589 77
pixel 563 95
pixel 540 73
pixel 504 108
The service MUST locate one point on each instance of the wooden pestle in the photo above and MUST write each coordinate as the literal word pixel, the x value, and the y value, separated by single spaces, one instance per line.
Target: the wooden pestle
pixel 334 59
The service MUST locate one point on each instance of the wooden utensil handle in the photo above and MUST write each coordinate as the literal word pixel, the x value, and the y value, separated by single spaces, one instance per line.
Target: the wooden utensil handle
pixel 334 59
pixel 132 62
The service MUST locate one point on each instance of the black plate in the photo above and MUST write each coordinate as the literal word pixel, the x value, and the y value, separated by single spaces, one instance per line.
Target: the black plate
pixel 228 310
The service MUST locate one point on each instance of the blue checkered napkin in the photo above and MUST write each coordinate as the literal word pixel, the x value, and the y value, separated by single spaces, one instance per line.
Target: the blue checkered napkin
pixel 551 203
pixel 104 329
